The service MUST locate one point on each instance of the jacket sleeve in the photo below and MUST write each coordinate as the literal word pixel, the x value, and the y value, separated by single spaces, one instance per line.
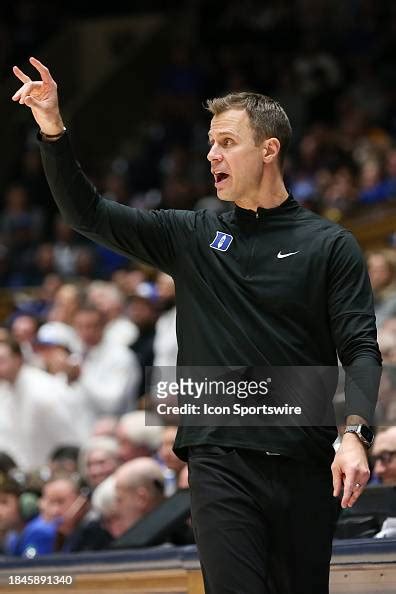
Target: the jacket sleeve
pixel 352 319
pixel 155 237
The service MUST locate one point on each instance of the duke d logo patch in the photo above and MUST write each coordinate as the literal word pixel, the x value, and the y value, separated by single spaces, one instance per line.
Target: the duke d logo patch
pixel 222 241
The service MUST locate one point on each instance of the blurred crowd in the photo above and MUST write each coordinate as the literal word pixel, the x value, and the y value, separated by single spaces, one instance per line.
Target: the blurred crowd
pixel 333 73
pixel 78 464
pixel 75 360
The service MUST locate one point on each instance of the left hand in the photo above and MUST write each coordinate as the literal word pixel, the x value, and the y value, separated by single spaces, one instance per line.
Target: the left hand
pixel 350 468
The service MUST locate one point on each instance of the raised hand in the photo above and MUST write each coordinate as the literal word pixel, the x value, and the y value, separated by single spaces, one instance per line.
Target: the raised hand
pixel 42 98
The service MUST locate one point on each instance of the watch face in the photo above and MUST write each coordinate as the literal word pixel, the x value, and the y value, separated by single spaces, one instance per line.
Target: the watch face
pixel 366 433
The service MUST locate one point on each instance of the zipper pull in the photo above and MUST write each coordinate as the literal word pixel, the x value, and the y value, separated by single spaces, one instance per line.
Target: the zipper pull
pixel 257 215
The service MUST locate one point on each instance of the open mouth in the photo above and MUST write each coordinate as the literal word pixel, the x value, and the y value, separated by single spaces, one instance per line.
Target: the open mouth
pixel 220 177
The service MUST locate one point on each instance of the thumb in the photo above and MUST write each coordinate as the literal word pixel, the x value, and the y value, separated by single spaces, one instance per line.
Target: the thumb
pixel 337 481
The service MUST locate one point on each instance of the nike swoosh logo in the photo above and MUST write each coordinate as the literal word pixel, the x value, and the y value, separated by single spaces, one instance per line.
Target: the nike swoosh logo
pixel 280 255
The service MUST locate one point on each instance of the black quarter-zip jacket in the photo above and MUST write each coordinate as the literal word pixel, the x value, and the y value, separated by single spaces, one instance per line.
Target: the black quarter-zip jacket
pixel 291 288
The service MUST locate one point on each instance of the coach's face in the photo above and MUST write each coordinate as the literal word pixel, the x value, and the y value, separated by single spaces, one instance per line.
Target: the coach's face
pixel 237 164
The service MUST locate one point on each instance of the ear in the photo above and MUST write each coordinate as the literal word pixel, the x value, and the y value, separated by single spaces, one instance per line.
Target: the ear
pixel 142 496
pixel 271 150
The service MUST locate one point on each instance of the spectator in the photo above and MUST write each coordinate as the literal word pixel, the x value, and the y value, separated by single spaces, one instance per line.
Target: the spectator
pixel 65 249
pixel 98 460
pixel 105 504
pixel 373 186
pixel 144 313
pixel 384 459
pixel 138 434
pixel 384 456
pixel 6 463
pixel 42 264
pixel 109 300
pixel 34 416
pixel 65 506
pixel 105 427
pixel 67 300
pixel 110 373
pixel 4 334
pixel 20 224
pixel 381 268
pixel 64 459
pixel 165 343
pixel 24 330
pixel 390 178
pixel 60 350
pixel 18 508
pixel 139 486
pixel 39 304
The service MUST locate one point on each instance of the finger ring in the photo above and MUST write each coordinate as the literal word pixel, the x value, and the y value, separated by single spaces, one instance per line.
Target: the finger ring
pixel 358 485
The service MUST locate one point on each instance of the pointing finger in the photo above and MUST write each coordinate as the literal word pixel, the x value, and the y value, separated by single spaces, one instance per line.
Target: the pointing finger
pixel 355 496
pixel 21 75
pixel 337 484
pixel 43 70
pixel 348 490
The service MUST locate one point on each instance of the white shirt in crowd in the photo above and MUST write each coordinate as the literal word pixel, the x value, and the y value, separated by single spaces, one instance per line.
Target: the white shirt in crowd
pixel 108 383
pixel 165 341
pixel 36 415
pixel 121 331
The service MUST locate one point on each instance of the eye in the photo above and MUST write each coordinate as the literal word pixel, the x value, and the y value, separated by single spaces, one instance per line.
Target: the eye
pixel 228 142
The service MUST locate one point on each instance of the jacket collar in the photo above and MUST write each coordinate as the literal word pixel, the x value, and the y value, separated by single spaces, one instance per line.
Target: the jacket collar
pixel 287 206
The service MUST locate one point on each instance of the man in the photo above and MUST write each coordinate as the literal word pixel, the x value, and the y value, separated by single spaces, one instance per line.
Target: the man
pixel 165 343
pixel 24 330
pixel 384 456
pixel 98 460
pixel 143 311
pixel 384 468
pixel 66 302
pixel 245 297
pixel 110 301
pixel 66 512
pixel 104 502
pixel 18 508
pixel 58 349
pixel 110 373
pixel 135 437
pixel 63 459
pixel 381 269
pixel 35 410
pixel 139 486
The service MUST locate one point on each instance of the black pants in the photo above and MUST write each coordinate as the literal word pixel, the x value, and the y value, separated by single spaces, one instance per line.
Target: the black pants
pixel 263 524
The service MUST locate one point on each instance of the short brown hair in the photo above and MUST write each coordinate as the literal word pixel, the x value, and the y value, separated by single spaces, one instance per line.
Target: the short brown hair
pixel 13 346
pixel 267 117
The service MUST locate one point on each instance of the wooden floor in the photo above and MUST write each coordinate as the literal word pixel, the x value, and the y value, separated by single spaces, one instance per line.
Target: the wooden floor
pixel 370 579
pixel 358 567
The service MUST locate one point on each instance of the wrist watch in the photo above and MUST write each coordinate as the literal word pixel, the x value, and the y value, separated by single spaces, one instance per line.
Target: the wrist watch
pixel 363 432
